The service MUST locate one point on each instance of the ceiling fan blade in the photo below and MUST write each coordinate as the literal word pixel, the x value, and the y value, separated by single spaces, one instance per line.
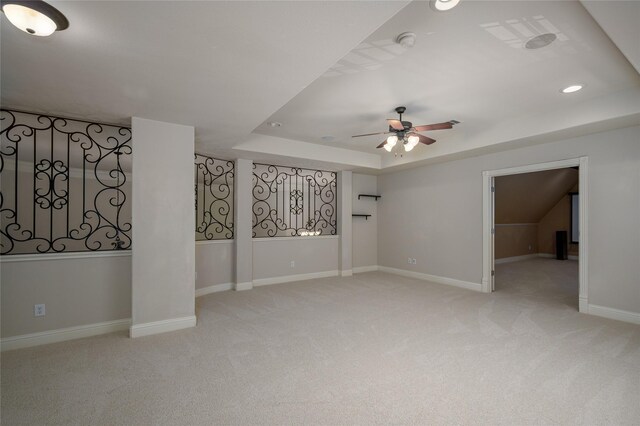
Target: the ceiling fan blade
pixel 370 134
pixel 437 126
pixel 425 140
pixel 382 144
pixel 396 124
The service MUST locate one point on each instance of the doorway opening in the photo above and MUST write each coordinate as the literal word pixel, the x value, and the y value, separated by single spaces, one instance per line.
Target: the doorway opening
pixel 489 224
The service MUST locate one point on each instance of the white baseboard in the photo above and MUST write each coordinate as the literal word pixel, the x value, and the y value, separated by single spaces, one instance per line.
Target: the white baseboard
pixel 346 273
pixel 516 258
pixel 361 269
pixel 243 286
pixel 553 256
pixel 616 314
pixel 290 278
pixel 213 289
pixel 157 327
pixel 63 334
pixel 433 278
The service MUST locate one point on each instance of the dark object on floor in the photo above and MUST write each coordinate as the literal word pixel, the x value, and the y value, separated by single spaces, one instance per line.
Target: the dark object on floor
pixel 561 245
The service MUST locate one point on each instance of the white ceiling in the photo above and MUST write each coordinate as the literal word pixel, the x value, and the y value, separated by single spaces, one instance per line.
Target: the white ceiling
pixel 333 69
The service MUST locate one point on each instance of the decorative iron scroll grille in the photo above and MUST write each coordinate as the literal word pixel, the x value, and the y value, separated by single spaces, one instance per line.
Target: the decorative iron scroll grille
pixel 290 201
pixel 214 198
pixel 65 185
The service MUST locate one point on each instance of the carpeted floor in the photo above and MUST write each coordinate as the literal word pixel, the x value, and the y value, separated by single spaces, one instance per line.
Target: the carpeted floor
pixel 370 349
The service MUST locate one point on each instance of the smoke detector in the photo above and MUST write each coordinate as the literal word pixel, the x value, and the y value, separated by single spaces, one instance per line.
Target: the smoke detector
pixel 406 40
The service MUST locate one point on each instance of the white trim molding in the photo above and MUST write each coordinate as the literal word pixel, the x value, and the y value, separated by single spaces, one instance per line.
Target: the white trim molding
pixel 8 258
pixel 516 258
pixel 553 256
pixel 487 219
pixel 612 313
pixel 213 289
pixel 346 273
pixel 289 278
pixel 432 278
pixel 207 242
pixel 63 334
pixel 243 286
pixel 361 269
pixel 296 238
pixel 163 326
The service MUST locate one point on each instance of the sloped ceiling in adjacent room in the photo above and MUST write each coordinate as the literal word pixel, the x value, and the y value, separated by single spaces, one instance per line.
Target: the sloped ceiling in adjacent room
pixel 527 197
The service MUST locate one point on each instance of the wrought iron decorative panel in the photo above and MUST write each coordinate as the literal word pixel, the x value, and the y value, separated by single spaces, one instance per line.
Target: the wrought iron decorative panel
pixel 290 201
pixel 64 185
pixel 214 198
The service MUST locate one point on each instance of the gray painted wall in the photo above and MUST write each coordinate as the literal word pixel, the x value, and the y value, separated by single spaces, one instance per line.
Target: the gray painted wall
pixel 434 213
pixel 75 292
pixel 163 263
pixel 214 263
pixel 365 232
pixel 272 256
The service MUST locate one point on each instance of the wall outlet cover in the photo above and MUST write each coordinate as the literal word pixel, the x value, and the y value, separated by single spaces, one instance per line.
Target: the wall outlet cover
pixel 39 310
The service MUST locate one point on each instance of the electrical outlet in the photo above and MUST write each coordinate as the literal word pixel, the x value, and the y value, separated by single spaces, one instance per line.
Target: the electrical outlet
pixel 38 310
pixel 413 261
pixel 293 263
pixel 409 261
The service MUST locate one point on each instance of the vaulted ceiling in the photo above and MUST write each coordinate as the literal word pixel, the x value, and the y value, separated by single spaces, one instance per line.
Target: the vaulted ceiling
pixel 527 197
pixel 329 70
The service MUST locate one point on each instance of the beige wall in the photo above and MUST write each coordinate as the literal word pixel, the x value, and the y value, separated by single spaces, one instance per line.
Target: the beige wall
pixel 516 240
pixel 365 232
pixel 75 292
pixel 434 213
pixel 556 219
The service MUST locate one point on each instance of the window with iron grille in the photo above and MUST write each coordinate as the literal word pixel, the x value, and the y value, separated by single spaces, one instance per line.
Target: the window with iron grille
pixel 291 201
pixel 214 198
pixel 65 185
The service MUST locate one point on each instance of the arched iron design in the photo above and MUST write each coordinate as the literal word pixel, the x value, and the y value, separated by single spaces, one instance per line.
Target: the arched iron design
pixel 291 201
pixel 64 185
pixel 214 198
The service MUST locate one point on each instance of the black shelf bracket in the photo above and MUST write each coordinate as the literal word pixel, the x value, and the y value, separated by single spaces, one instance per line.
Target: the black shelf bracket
pixel 370 196
pixel 366 216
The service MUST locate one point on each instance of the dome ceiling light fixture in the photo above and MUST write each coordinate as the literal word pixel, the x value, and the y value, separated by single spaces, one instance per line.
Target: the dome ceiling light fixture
pixel 34 17
pixel 443 5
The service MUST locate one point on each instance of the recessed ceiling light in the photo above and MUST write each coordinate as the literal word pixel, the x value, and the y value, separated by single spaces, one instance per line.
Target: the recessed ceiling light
pixel 572 88
pixel 274 124
pixel 34 17
pixel 406 40
pixel 540 41
pixel 443 5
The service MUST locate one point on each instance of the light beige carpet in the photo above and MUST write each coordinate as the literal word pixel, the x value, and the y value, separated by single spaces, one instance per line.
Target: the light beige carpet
pixel 371 349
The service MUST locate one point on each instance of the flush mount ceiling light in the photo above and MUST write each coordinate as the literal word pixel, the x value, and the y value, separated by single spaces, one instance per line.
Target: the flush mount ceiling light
pixel 573 88
pixel 34 17
pixel 274 124
pixel 443 5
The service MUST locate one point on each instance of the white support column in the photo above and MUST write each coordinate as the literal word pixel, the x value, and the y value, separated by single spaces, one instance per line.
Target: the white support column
pixel 243 224
pixel 163 256
pixel 345 185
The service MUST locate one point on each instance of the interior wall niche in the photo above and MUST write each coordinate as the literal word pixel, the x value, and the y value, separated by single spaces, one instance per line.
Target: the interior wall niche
pixel 293 202
pixel 214 198
pixel 66 185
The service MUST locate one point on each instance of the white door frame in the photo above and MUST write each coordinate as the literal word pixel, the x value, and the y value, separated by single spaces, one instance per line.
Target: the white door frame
pixel 487 220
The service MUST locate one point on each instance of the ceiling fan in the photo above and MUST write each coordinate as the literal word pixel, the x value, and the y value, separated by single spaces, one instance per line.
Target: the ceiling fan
pixel 406 132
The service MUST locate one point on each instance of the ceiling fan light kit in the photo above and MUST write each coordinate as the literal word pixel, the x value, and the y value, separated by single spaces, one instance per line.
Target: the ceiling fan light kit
pixel 406 132
pixel 34 17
